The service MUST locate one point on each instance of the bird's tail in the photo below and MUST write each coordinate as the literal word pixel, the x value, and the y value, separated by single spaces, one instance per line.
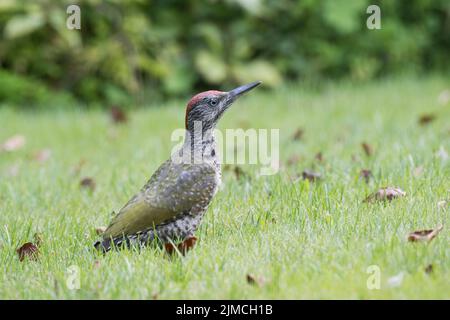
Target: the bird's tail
pixel 104 245
pixel 125 241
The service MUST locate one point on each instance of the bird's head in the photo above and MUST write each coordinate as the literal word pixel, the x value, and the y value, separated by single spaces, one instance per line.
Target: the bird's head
pixel 209 106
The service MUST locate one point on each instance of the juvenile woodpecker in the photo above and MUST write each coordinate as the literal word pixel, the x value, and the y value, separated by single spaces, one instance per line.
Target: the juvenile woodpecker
pixel 172 203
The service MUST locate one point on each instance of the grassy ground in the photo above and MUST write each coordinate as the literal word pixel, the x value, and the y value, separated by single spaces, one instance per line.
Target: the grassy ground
pixel 304 240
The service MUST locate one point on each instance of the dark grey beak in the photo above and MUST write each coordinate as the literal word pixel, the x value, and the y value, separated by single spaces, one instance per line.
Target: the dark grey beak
pixel 233 94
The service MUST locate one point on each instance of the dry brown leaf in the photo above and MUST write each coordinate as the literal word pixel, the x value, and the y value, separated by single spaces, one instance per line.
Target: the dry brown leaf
pixel 298 134
pixel 88 183
pixel 311 176
pixel 14 143
pixel 254 280
pixel 426 118
pixel 42 155
pixel 366 174
pixel 368 150
pixel 424 235
pixel 28 250
pixel 387 193
pixel 100 230
pixel 118 115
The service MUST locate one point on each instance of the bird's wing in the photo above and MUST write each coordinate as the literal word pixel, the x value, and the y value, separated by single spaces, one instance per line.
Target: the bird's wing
pixel 172 190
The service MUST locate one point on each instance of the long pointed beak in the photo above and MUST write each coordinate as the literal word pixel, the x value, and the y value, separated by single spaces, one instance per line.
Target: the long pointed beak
pixel 233 94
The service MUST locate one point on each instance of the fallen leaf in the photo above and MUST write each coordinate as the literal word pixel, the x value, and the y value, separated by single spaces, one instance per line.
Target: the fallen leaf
pixel 100 230
pixel 14 143
pixel 310 175
pixel 298 134
pixel 426 118
pixel 118 115
pixel 367 149
pixel 387 193
pixel 42 155
pixel 28 250
pixel 366 175
pixel 88 183
pixel 255 281
pixel 424 235
pixel 396 280
pixel 429 269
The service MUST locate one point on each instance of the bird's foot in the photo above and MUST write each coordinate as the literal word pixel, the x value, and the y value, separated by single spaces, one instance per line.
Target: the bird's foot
pixel 182 247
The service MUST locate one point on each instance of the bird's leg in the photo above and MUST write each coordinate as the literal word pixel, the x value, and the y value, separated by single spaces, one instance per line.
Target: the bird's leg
pixel 187 244
pixel 169 247
pixel 183 247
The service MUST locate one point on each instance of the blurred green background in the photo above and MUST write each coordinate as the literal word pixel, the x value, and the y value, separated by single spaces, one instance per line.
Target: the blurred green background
pixel 130 52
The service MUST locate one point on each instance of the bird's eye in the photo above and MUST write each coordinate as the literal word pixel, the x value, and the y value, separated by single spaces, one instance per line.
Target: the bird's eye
pixel 213 102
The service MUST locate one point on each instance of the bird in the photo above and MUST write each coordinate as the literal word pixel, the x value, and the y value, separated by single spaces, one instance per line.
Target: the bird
pixel 171 205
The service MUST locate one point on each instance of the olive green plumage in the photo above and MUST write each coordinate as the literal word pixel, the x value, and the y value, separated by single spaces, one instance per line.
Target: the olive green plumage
pixel 173 191
pixel 171 204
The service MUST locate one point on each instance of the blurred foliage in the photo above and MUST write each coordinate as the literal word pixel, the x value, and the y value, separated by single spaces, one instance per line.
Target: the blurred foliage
pixel 148 49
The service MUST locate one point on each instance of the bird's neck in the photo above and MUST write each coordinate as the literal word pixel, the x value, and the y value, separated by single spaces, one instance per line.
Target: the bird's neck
pixel 200 147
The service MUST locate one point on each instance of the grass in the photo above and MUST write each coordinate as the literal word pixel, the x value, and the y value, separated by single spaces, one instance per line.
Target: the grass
pixel 307 240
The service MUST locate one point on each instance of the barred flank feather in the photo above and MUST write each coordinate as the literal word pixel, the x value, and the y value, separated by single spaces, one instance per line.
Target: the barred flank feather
pixel 108 244
pixel 179 228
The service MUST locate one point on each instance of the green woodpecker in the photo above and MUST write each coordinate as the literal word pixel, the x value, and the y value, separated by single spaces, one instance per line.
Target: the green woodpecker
pixel 171 204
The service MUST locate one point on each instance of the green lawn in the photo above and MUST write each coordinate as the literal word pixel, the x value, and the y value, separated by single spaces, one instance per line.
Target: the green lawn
pixel 305 240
